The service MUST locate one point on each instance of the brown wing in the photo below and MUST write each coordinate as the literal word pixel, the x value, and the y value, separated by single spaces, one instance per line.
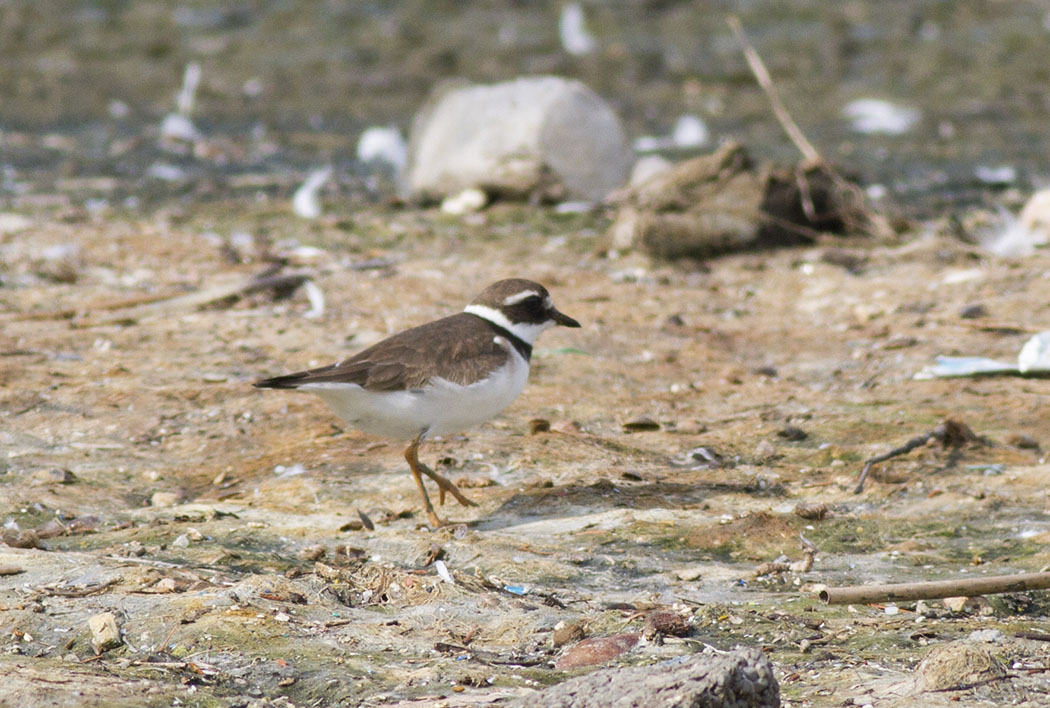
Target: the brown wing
pixel 459 348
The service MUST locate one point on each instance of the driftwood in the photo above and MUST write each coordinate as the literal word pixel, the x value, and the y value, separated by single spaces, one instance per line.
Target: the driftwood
pixel 932 590
pixel 742 678
pixel 153 304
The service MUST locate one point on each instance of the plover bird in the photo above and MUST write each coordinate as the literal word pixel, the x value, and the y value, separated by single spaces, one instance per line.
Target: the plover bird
pixel 439 378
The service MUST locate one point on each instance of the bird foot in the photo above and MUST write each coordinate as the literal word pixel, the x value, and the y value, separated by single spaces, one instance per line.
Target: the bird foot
pixel 444 485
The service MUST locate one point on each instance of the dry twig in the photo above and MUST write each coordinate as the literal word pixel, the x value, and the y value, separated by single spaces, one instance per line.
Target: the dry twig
pixel 951 434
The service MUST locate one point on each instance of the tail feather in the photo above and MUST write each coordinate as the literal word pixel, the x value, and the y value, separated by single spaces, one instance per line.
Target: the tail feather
pixel 286 381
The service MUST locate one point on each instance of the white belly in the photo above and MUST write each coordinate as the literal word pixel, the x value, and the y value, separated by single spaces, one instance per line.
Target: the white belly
pixel 442 408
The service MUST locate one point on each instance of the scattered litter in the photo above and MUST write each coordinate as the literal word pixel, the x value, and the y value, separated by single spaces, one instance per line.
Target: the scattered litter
pixel 306 202
pixel 1033 360
pixel 574 207
pixel 689 132
pixel 379 144
pixel 316 298
pixel 442 570
pixel 284 472
pixel 12 223
pixel 647 167
pixel 466 202
pixel 874 115
pixel 187 96
pixel 516 589
pixel 572 29
pixel 166 172
pixel 1035 354
pixel 998 175
pixel 178 128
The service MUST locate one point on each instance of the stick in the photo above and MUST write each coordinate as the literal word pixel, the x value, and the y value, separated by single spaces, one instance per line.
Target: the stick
pixel 809 153
pixel 134 308
pixel 904 449
pixel 951 433
pixel 932 590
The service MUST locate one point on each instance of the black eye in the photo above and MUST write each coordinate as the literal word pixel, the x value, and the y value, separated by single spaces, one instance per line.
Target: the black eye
pixel 533 303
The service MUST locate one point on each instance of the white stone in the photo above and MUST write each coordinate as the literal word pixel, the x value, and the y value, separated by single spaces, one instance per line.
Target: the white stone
pixel 1035 217
pixel 306 202
pixel 379 144
pixel 648 167
pixel 544 134
pixel 875 115
pixel 572 30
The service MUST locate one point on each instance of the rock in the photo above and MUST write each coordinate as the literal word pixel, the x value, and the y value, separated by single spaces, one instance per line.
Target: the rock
pixel 724 202
pixel 567 633
pixel 382 144
pixel 542 135
pixel 957 664
pixel 666 623
pixel 105 634
pixel 54 475
pixel 1024 441
pixel 765 450
pixel 741 678
pixel 51 529
pixel 596 651
pixel 466 202
pixel 875 115
pixel 1035 218
pixel 12 223
pixel 814 511
pixel 640 424
pixel 164 499
pixel 792 433
pixel 689 574
pixel 20 538
pixel 647 168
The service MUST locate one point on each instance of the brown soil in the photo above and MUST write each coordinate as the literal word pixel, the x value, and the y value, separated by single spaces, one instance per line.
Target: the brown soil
pixel 260 587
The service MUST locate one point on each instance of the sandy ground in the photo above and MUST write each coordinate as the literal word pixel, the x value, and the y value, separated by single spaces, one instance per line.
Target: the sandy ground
pixel 220 524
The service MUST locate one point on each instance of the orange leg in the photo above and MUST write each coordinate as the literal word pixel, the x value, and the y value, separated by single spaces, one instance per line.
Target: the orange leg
pixel 412 457
pixel 444 485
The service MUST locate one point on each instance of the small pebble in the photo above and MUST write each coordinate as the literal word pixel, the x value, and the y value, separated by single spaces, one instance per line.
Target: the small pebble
pixel 164 499
pixel 567 633
pixel 689 574
pixel 105 634
pixel 792 433
pixel 54 475
pixel 641 424
pixel 765 450
pixel 812 511
pixel 973 312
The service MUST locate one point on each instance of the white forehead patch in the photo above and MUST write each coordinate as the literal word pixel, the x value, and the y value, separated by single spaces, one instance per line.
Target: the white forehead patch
pixel 519 297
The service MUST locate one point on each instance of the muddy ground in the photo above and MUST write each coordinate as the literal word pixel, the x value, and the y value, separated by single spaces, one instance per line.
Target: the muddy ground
pixel 697 407
pixel 220 524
